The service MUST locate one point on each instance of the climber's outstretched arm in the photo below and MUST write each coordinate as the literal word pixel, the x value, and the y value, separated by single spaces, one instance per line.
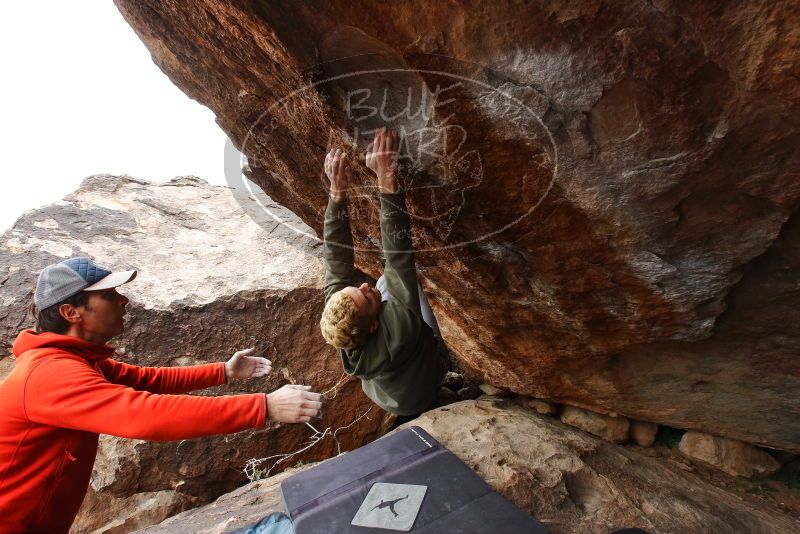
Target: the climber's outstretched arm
pixel 400 271
pixel 337 246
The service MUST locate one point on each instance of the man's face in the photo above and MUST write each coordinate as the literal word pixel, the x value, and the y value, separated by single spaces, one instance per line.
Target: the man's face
pixel 103 316
pixel 367 299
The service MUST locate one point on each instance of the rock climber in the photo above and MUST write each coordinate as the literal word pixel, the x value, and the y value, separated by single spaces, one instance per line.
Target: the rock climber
pixel 66 388
pixel 387 334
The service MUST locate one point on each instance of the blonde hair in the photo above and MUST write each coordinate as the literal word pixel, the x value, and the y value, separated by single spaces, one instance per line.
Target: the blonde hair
pixel 341 324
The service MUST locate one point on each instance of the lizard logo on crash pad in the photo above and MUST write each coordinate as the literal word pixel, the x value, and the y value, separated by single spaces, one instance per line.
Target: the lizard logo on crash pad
pixel 390 506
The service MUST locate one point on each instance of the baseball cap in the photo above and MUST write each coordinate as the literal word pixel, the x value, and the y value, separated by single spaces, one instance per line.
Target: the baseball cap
pixel 62 280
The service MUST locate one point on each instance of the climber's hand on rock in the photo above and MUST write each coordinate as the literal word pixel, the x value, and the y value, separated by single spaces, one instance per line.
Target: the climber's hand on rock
pixel 243 365
pixel 293 404
pixel 338 171
pixel 381 158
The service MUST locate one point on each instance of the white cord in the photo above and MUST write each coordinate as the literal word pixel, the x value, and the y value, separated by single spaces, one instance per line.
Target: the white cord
pixel 251 467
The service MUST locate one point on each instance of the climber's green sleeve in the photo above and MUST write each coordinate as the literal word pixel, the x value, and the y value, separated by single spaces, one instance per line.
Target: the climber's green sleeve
pixel 337 248
pixel 399 272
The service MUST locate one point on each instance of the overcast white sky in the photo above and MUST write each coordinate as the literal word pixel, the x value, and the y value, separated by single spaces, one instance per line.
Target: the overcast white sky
pixel 81 96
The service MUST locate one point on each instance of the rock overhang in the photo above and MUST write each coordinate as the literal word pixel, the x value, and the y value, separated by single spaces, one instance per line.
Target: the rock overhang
pixel 638 283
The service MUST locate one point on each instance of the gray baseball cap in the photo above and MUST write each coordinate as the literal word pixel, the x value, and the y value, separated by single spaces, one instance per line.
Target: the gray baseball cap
pixel 62 280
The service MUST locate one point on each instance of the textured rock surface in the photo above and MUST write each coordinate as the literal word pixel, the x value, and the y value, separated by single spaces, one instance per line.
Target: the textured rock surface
pixel 621 177
pixel 105 513
pixel 733 457
pixel 211 281
pixel 571 481
pixel 240 508
pixel 613 429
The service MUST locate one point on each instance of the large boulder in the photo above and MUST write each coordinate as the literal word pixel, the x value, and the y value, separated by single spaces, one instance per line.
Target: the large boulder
pixel 571 481
pixel 211 281
pixel 604 194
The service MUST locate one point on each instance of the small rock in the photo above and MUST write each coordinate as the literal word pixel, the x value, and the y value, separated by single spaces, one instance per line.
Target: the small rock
pixel 613 429
pixel 469 393
pixel 733 457
pixel 542 407
pixel 453 381
pixel 491 390
pixel 108 514
pixel 643 433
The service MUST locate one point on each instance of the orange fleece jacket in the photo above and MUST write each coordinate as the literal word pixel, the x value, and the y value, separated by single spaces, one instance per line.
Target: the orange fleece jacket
pixel 63 392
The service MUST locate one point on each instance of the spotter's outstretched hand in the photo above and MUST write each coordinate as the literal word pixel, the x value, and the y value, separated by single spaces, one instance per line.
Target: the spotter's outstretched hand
pixel 242 365
pixel 293 404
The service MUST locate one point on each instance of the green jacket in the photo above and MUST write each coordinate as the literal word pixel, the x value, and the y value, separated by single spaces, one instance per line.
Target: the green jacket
pixel 401 365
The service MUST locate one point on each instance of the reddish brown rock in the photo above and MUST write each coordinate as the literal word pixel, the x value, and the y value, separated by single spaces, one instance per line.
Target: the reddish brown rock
pixel 613 217
pixel 107 514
